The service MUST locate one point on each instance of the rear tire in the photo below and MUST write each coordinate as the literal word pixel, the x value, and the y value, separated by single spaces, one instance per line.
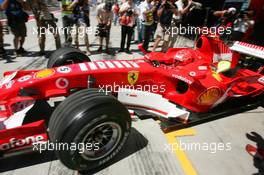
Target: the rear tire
pixel 66 56
pixel 92 118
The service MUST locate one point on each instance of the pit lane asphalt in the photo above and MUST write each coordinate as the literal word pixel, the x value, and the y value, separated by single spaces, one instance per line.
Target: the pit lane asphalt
pixel 150 158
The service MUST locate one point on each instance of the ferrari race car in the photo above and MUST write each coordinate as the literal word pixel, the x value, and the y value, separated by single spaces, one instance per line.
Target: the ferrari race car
pixel 75 101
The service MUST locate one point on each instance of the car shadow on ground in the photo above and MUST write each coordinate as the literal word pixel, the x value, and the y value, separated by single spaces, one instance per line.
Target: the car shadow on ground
pixel 25 160
pixel 257 152
pixel 135 142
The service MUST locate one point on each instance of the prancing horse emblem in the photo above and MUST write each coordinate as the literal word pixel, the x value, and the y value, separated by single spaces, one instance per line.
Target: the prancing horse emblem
pixel 132 77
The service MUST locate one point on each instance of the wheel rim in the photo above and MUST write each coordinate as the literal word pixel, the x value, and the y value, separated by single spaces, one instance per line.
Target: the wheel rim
pixel 106 136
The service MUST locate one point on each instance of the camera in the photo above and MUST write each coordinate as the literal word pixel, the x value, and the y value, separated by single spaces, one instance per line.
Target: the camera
pixel 129 12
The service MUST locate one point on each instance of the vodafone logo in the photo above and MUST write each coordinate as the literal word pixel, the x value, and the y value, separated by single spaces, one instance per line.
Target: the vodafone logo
pixel 62 83
pixel 64 69
pixel 14 143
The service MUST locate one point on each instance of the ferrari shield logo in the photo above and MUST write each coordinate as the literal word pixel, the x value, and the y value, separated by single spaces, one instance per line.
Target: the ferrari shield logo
pixel 132 77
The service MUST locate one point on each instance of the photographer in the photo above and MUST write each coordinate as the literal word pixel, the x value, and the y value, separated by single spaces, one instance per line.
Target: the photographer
pixel 183 8
pixel 45 20
pixel 68 19
pixel 146 12
pixel 226 17
pixel 3 6
pixel 127 22
pixel 82 12
pixel 115 10
pixel 165 12
pixel 104 17
pixel 16 19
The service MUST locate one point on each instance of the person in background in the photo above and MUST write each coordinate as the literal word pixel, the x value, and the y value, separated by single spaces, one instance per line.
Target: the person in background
pixel 242 24
pixel 3 6
pixel 183 7
pixel 68 19
pixel 139 21
pixel 226 17
pixel 104 17
pixel 115 10
pixel 82 13
pixel 127 21
pixel 147 9
pixel 45 20
pixel 2 49
pixel 155 19
pixel 16 19
pixel 165 12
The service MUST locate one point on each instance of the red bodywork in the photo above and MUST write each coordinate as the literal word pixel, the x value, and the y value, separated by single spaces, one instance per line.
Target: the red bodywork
pixel 193 69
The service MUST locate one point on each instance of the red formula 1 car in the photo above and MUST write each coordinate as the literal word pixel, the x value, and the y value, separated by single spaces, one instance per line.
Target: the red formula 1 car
pixel 91 103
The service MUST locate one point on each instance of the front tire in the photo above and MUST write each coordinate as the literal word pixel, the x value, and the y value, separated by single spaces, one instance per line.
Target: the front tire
pixel 66 56
pixel 93 119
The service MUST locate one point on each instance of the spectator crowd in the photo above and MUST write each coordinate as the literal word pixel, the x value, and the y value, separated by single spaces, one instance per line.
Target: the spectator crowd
pixel 140 21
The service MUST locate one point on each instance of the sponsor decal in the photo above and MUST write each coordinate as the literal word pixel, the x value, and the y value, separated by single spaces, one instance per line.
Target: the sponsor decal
pixel 14 143
pixel 210 96
pixel 9 84
pixel 64 69
pixel 92 66
pixel 118 64
pixel 110 64
pixel 132 77
pixel 182 78
pixel 107 65
pixel 7 79
pixel 261 80
pixel 44 73
pixel 62 83
pixel 202 68
pixel 134 64
pixel 101 65
pixel 83 67
pixel 222 56
pixel 126 64
pixel 192 74
pixel 24 78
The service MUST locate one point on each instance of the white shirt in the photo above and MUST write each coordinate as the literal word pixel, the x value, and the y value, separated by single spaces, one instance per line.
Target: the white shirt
pixel 138 8
pixel 180 6
pixel 144 6
pixel 104 15
pixel 124 7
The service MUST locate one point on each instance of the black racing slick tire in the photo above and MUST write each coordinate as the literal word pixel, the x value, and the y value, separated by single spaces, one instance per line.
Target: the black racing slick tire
pixel 96 125
pixel 66 56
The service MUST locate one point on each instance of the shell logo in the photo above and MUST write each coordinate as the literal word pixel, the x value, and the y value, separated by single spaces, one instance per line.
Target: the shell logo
pixel 209 96
pixel 44 73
